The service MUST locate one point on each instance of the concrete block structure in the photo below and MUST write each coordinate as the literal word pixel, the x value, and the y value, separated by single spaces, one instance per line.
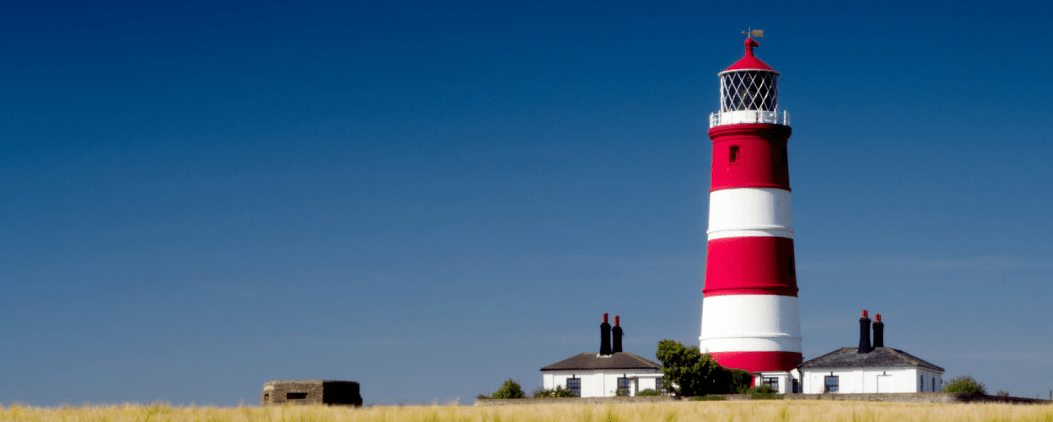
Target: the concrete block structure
pixel 311 392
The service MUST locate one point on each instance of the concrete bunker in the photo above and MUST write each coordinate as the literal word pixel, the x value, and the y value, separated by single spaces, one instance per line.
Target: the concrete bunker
pixel 329 392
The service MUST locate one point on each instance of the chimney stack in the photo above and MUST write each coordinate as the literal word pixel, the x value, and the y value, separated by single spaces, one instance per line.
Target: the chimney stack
pixel 605 337
pixel 617 336
pixel 879 331
pixel 864 333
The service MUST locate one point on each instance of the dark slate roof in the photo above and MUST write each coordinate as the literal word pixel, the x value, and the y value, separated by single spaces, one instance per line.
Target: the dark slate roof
pixel 620 360
pixel 883 357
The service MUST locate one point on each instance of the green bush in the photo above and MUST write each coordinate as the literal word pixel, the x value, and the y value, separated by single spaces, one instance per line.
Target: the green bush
pixel 649 392
pixel 558 392
pixel 965 384
pixel 740 380
pixel 690 373
pixel 762 392
pixel 760 389
pixel 509 390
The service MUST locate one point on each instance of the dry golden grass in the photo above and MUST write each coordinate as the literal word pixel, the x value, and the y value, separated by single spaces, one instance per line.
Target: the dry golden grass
pixel 804 411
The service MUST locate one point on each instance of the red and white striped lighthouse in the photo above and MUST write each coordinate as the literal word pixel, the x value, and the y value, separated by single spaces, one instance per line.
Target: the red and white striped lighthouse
pixel 749 310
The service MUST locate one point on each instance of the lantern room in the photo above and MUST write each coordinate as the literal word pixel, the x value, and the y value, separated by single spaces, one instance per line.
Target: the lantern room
pixel 749 93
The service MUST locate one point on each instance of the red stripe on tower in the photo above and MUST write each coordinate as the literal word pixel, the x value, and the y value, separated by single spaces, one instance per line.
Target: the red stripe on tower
pixel 767 271
pixel 748 155
pixel 749 310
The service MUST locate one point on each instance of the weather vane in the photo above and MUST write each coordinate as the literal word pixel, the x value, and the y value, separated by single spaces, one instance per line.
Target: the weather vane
pixel 758 33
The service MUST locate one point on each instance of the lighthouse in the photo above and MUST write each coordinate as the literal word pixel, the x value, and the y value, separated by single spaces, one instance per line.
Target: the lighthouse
pixel 749 307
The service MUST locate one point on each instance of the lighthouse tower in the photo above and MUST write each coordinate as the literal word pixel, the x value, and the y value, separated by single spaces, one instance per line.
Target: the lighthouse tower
pixel 749 310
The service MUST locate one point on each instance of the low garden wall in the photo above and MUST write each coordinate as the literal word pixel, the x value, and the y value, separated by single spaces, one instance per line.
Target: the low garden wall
pixel 575 400
pixel 884 397
pixel 915 398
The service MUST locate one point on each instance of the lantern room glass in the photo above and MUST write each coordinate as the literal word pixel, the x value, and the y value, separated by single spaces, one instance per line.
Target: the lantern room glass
pixel 749 90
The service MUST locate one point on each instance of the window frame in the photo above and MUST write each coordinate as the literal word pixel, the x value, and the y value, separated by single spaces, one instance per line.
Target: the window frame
pixel 772 382
pixel 827 384
pixel 576 389
pixel 627 386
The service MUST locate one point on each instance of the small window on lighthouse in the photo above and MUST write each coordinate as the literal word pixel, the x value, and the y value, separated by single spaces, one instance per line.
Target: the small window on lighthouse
pixel 733 154
pixel 793 270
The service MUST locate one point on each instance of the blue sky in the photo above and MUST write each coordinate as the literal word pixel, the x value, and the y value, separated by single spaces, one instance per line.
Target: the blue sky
pixel 200 197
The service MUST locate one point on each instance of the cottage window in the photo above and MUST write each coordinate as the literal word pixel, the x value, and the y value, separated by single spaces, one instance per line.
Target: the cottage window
pixel 772 382
pixel 574 385
pixel 796 386
pixel 659 384
pixel 830 384
pixel 934 384
pixel 921 383
pixel 623 387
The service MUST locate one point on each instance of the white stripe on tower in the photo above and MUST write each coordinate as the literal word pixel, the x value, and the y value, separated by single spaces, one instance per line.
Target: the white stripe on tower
pixel 749 212
pixel 762 323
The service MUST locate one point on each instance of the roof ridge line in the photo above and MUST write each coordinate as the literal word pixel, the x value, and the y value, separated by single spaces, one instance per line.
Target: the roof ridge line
pixel 901 355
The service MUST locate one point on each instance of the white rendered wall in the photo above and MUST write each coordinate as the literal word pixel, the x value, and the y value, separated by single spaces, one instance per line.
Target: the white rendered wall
pixel 757 323
pixel 601 383
pixel 859 381
pixel 743 212
pixel 927 377
pixel 648 382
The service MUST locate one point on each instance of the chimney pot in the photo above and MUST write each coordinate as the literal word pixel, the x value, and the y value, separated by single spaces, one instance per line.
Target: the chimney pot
pixel 617 334
pixel 864 314
pixel 616 320
pixel 864 334
pixel 605 337
pixel 879 332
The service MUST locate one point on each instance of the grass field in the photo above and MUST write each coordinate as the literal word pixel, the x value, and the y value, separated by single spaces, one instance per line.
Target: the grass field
pixel 662 412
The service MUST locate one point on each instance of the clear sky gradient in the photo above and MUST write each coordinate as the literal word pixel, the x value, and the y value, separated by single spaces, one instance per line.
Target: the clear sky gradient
pixel 430 198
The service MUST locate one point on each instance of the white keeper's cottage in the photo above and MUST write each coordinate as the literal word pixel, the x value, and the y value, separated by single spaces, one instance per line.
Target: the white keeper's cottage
pixel 606 373
pixel 882 370
pixel 869 369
